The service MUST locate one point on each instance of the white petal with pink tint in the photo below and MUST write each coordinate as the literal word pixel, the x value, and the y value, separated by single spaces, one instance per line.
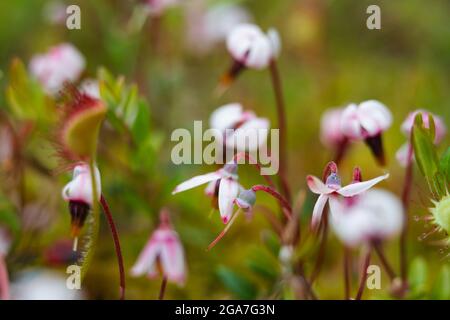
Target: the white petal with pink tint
pixel 197 181
pixel 440 128
pixel 227 116
pixel 403 155
pixel 80 187
pixel 146 260
pixel 250 46
pixel 172 259
pixel 374 117
pixel 350 125
pixel 318 210
pixel 251 135
pixel 317 186
pixel 330 127
pixel 359 187
pixel 228 191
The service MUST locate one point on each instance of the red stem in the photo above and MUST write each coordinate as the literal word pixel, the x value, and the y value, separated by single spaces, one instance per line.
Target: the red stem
pixel 405 201
pixel 276 83
pixel 116 240
pixel 384 261
pixel 284 203
pixel 362 284
pixel 162 290
pixel 4 280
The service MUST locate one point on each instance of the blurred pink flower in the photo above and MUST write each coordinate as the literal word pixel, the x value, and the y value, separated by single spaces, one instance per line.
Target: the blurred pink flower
pixel 60 64
pixel 332 189
pixel 91 88
pixel 368 119
pixel 162 254
pixel 157 7
pixel 405 153
pixel 5 241
pixel 209 27
pixel 331 134
pixel 244 123
pixel 227 183
pixel 371 216
pixel 251 47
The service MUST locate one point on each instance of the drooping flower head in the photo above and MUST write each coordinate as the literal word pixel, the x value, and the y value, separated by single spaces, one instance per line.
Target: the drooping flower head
pixel 332 189
pixel 222 183
pixel 163 254
pixel 405 154
pixel 62 63
pixel 247 131
pixel 371 216
pixel 79 194
pixel 367 121
pixel 250 48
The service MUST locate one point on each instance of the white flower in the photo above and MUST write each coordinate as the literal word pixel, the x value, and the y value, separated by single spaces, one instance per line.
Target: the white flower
pixel 374 215
pixel 331 134
pixel 60 64
pixel 249 132
pixel 79 189
pixel 332 189
pixel 228 187
pixel 91 88
pixel 369 119
pixel 251 47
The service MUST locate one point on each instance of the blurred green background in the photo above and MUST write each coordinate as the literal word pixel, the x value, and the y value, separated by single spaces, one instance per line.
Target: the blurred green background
pixel 329 58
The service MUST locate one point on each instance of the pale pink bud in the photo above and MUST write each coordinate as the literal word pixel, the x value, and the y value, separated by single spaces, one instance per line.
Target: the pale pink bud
pixel 438 122
pixel 60 64
pixel 80 187
pixel 330 128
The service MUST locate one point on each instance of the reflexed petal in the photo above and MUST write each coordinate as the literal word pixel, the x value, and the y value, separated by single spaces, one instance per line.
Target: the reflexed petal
pixel 226 117
pixel 358 187
pixel 197 181
pixel 374 117
pixel 251 135
pixel 318 210
pixel 402 155
pixel 317 186
pixel 228 191
pixel 80 187
pixel 350 125
pixel 146 260
pixel 172 259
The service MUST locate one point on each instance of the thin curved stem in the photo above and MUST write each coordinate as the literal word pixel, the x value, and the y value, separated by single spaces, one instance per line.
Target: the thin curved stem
pixel 4 280
pixel 284 203
pixel 251 160
pixel 224 231
pixel 389 270
pixel 162 290
pixel 116 240
pixel 362 283
pixel 276 83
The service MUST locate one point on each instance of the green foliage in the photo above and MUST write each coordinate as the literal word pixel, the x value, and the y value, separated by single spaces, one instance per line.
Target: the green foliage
pixel 25 97
pixel 441 286
pixel 426 155
pixel 8 215
pixel 238 285
pixel 418 277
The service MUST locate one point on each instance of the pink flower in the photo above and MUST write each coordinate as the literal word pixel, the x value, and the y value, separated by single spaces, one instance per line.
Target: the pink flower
pixel 249 132
pixel 332 189
pixel 91 88
pixel 206 29
pixel 251 47
pixel 331 134
pixel 60 64
pixel 367 122
pixel 162 254
pixel 228 187
pixel 374 215
pixel 157 7
pixel 405 154
pixel 78 192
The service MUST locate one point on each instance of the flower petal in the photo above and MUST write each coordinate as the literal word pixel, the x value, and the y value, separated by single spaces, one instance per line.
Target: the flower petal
pixel 228 191
pixel 197 181
pixel 226 117
pixel 172 259
pixel 146 260
pixel 317 186
pixel 318 210
pixel 358 187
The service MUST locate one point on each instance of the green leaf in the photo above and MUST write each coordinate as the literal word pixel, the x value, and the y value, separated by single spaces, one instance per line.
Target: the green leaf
pixel 441 286
pixel 8 215
pixel 25 96
pixel 418 276
pixel 444 166
pixel 425 153
pixel 240 287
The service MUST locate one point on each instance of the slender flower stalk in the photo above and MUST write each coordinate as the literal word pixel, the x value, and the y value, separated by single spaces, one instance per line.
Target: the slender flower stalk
pixel 384 261
pixel 282 200
pixel 224 231
pixel 4 280
pixel 276 83
pixel 162 290
pixel 362 283
pixel 116 240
